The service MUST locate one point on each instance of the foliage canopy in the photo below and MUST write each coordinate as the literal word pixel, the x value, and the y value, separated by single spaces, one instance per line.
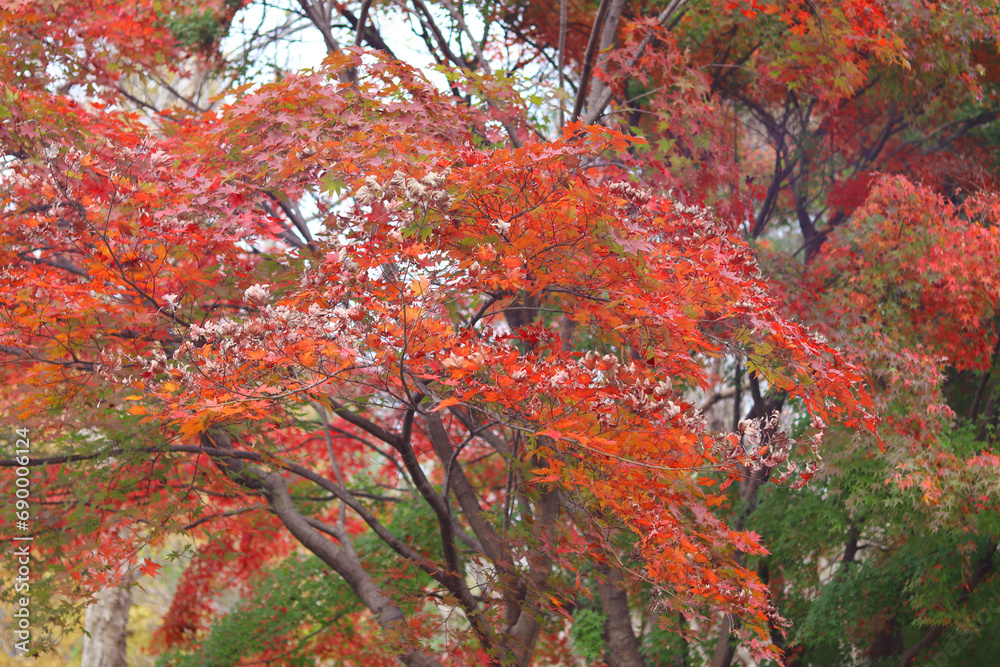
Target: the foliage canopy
pixel 649 332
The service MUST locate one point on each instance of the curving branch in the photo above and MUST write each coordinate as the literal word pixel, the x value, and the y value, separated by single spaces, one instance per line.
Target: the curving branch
pixel 273 486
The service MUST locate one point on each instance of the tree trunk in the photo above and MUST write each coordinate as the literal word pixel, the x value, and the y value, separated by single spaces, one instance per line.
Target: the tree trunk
pixel 106 623
pixel 724 649
pixel 623 648
pixel 749 490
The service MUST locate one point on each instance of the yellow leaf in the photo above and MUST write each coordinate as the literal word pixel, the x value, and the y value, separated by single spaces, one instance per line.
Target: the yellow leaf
pixel 419 286
pixel 191 426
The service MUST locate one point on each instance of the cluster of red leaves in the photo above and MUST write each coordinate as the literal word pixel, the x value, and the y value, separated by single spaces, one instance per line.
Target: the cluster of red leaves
pixel 92 43
pixel 230 558
pixel 919 270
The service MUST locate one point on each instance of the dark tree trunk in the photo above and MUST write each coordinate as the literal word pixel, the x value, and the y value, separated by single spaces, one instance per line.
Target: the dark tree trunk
pixel 622 644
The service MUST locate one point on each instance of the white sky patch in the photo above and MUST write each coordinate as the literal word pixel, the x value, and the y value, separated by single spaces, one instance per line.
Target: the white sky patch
pixel 295 44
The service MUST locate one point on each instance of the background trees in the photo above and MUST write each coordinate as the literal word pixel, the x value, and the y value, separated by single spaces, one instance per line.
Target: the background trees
pixel 515 364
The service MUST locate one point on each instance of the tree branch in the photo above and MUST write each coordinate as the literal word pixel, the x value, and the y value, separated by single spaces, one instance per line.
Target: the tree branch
pixel 609 34
pixel 463 490
pixel 371 34
pixel 623 648
pixel 273 487
pixel 588 59
pixel 367 426
pixel 362 19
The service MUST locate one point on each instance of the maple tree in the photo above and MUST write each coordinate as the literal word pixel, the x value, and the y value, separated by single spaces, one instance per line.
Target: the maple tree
pixel 484 372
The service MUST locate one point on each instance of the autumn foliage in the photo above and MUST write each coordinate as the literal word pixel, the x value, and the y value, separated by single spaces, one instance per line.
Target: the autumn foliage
pixel 421 376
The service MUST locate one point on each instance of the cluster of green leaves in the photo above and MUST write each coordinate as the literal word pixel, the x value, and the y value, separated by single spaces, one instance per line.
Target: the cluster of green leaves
pixel 857 561
pixel 587 633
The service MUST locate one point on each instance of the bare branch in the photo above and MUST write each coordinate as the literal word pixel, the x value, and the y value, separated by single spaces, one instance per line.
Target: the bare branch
pixel 563 25
pixel 608 35
pixel 588 59
pixel 362 19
